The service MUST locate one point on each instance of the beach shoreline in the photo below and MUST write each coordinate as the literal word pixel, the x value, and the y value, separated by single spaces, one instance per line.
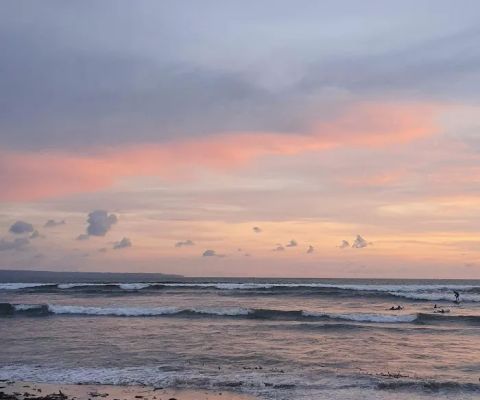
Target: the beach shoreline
pixel 22 390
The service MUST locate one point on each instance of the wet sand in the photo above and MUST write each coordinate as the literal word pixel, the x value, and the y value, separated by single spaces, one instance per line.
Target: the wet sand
pixel 10 390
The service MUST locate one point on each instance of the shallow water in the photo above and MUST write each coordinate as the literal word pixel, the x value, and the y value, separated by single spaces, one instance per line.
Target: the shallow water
pixel 319 339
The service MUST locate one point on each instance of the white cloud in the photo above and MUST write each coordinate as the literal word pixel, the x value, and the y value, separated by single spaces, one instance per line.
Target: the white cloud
pixel 360 243
pixel 184 243
pixel 20 227
pixel 209 253
pixel 279 248
pixel 100 222
pixel 52 223
pixel 122 244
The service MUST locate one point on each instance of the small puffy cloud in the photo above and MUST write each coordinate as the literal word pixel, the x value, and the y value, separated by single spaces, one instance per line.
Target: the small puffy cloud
pixel 360 243
pixel 310 249
pixel 20 227
pixel 344 244
pixel 83 236
pixel 257 229
pixel 51 223
pixel 209 253
pixel 122 244
pixel 184 243
pixel 279 248
pixel 16 244
pixel 100 222
pixel 292 243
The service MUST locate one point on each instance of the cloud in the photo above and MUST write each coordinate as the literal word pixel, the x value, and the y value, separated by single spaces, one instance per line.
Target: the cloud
pixel 52 223
pixel 310 249
pixel 102 250
pixel 184 243
pixel 126 94
pixel 344 244
pixel 279 248
pixel 292 243
pixel 100 222
pixel 36 234
pixel 83 236
pixel 20 227
pixel 360 243
pixel 33 175
pixel 122 244
pixel 16 244
pixel 257 229
pixel 209 253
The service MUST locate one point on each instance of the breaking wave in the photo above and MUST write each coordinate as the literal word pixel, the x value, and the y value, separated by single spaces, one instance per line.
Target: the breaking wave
pixel 418 292
pixel 8 309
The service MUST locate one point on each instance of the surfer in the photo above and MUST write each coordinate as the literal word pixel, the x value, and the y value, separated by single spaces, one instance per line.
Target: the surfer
pixel 397 308
pixel 457 296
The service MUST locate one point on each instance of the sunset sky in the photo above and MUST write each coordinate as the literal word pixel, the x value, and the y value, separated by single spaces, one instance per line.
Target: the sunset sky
pixel 241 138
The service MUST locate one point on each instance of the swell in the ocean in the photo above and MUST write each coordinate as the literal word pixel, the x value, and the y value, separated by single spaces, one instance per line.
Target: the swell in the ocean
pixel 437 292
pixel 8 309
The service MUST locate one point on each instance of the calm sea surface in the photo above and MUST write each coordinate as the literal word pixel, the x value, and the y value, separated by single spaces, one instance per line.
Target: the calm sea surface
pixel 277 339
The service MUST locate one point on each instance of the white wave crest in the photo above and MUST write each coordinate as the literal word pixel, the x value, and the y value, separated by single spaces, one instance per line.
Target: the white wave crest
pixel 134 286
pixel 17 286
pixel 26 307
pixel 115 311
pixel 143 311
pixel 436 296
pixel 73 285
pixel 381 318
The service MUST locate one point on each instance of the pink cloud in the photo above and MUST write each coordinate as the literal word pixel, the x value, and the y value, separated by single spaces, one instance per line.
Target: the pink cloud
pixel 28 176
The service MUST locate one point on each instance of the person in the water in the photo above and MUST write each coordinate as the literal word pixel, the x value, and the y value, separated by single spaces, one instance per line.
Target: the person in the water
pixel 457 296
pixel 397 308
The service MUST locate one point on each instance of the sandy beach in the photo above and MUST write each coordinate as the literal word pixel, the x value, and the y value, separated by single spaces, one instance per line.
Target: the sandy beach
pixel 10 390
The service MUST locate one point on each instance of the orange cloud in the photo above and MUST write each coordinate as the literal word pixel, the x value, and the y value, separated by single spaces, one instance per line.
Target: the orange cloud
pixel 27 176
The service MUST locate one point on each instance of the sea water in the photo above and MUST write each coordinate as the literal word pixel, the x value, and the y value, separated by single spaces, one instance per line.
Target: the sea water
pixel 276 339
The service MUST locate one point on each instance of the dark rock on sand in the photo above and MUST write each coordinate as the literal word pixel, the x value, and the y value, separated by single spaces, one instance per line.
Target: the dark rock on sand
pixel 5 396
pixel 284 386
pixel 233 384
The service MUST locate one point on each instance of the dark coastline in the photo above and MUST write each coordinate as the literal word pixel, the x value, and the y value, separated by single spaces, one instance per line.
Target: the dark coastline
pixel 14 276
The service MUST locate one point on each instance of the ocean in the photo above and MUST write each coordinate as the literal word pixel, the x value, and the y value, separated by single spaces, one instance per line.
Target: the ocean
pixel 272 338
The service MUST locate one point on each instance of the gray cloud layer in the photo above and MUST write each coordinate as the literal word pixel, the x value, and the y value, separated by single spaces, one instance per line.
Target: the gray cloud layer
pixel 275 68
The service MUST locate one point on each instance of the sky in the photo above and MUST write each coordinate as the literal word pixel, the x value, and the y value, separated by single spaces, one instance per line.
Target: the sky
pixel 241 138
